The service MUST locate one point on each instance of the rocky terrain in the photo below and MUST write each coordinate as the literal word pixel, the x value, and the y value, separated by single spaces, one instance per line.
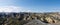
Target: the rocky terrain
pixel 28 18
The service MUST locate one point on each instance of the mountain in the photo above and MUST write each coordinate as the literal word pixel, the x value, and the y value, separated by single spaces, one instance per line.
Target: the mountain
pixel 25 18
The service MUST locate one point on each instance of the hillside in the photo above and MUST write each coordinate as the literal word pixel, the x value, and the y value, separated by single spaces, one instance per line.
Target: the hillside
pixel 24 18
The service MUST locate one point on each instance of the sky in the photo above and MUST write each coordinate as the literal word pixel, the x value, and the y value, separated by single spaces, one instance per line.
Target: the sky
pixel 29 5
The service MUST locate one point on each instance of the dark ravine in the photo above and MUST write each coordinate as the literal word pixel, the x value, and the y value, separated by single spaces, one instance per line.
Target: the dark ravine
pixel 24 18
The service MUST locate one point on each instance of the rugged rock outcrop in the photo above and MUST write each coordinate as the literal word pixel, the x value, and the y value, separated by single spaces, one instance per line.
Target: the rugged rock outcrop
pixel 24 18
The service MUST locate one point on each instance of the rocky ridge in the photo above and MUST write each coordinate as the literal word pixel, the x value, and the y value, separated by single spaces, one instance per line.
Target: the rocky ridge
pixel 24 18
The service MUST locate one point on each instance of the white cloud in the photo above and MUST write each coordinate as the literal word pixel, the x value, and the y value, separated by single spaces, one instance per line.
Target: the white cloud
pixel 13 9
pixel 9 9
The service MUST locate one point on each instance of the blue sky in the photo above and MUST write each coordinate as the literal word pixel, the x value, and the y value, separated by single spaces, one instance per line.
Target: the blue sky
pixel 30 5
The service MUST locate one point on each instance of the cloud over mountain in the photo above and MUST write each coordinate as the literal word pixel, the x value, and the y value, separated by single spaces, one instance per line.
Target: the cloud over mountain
pixel 13 9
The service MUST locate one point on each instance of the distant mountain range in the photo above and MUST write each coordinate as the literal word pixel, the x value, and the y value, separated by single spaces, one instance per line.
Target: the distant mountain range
pixel 22 18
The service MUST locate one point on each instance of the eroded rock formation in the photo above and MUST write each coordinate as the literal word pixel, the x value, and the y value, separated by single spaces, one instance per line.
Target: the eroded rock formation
pixel 24 18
